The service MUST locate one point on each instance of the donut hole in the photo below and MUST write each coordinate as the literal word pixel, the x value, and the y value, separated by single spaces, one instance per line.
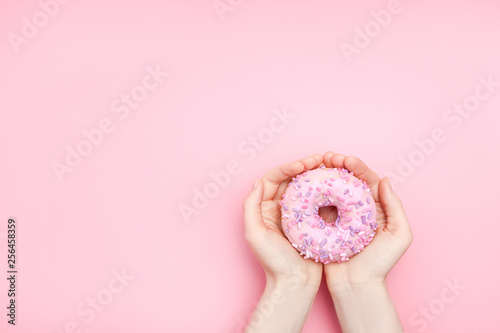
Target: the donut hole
pixel 329 214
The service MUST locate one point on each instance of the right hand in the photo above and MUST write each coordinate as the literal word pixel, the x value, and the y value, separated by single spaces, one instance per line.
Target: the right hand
pixel 392 238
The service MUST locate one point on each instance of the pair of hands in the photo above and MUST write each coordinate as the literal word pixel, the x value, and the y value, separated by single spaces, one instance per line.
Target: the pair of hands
pixel 282 263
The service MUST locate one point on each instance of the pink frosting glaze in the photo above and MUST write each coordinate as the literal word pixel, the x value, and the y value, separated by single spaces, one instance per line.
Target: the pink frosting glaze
pixel 309 233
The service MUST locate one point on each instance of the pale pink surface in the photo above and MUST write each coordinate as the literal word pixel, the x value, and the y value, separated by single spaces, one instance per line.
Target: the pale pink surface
pixel 120 207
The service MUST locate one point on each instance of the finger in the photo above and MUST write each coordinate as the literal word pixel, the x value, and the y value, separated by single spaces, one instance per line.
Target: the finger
pixel 309 163
pixel 273 178
pixel 361 170
pixel 393 208
pixel 252 209
pixel 319 160
pixel 281 190
pixel 327 159
pixel 337 160
pixel 312 162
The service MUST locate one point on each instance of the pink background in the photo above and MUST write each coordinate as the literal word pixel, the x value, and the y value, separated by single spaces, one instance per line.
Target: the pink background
pixel 119 208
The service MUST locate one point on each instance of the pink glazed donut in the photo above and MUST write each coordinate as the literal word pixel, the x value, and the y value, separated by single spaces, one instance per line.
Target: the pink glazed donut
pixel 309 233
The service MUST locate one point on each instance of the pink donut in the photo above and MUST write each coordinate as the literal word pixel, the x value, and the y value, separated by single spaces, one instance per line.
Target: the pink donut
pixel 309 233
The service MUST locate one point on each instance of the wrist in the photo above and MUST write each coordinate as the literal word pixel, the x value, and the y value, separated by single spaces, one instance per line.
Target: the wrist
pixel 296 278
pixel 292 283
pixel 366 308
pixel 283 307
pixel 358 286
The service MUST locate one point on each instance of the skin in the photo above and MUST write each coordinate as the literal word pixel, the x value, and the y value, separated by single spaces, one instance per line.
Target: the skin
pixel 358 287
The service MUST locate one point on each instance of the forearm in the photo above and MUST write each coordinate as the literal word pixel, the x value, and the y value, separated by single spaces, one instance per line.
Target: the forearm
pixel 283 307
pixel 366 309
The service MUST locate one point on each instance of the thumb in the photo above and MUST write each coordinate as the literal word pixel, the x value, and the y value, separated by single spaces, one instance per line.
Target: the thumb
pixel 252 208
pixel 392 206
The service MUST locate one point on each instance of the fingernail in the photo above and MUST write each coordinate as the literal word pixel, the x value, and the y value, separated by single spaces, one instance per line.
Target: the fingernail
pixel 255 184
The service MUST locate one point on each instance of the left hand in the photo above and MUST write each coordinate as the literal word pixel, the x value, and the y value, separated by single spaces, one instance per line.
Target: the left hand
pixel 263 232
